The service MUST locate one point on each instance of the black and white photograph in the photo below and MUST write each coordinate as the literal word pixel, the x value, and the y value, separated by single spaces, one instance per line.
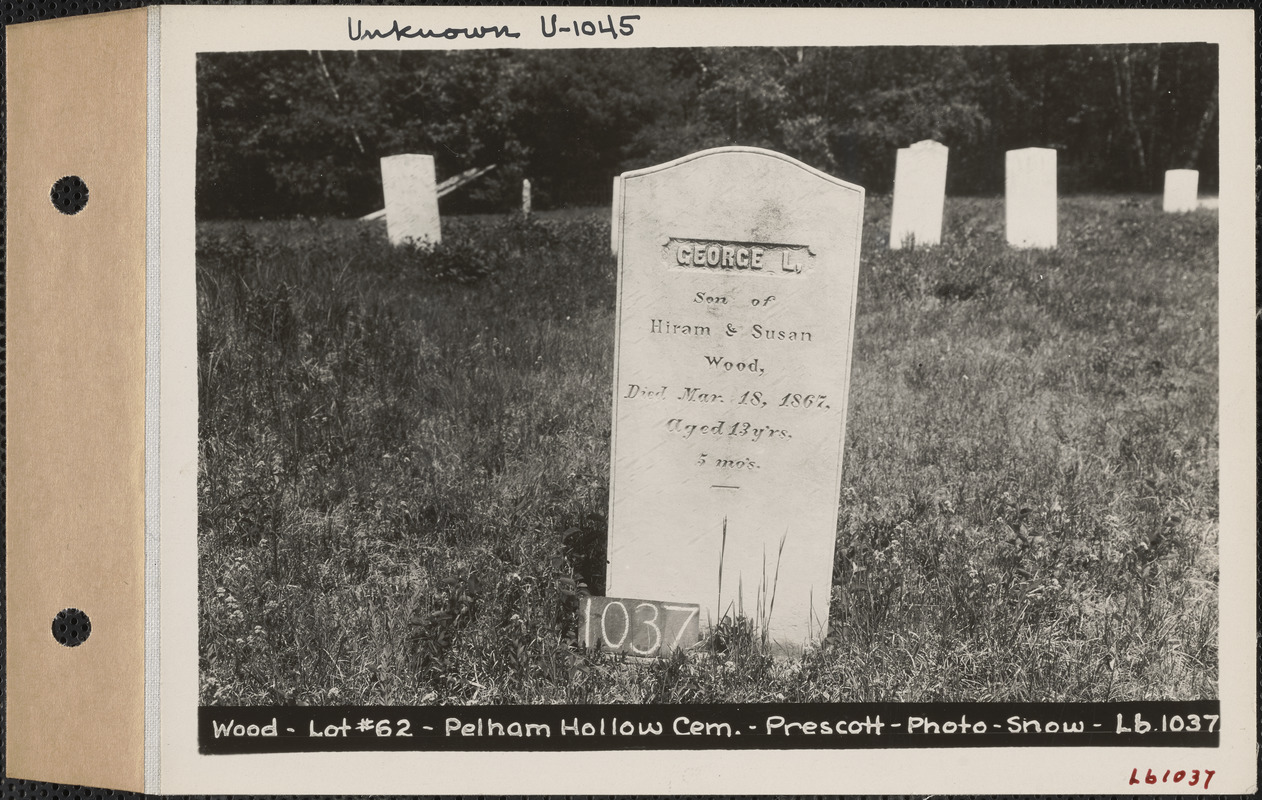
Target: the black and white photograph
pixel 646 400
pixel 708 375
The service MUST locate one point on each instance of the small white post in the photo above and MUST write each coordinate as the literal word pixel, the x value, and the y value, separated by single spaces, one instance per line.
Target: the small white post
pixel 1180 193
pixel 614 231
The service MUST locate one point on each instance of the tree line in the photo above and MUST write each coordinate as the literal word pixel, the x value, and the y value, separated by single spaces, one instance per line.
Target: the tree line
pixel 302 132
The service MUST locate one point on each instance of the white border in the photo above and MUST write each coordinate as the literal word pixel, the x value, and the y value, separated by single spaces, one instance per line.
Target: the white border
pixel 186 30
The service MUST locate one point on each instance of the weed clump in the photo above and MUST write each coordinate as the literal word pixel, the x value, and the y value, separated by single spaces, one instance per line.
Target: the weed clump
pixel 436 621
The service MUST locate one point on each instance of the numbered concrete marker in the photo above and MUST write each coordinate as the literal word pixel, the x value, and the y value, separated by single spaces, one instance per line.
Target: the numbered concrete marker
pixel 525 197
pixel 1030 197
pixel 1180 194
pixel 736 298
pixel 644 628
pixel 411 199
pixel 919 194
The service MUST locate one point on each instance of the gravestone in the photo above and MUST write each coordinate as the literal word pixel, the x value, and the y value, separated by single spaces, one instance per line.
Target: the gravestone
pixel 407 181
pixel 1180 194
pixel 525 197
pixel 615 223
pixel 736 296
pixel 919 194
pixel 1030 197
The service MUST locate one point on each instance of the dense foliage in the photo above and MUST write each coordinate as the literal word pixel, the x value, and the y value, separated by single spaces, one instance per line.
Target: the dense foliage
pixel 301 132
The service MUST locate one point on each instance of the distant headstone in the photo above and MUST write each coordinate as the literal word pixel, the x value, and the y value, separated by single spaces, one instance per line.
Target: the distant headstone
pixel 411 199
pixel 736 300
pixel 919 194
pixel 1030 197
pixel 1180 194
pixel 525 196
pixel 617 214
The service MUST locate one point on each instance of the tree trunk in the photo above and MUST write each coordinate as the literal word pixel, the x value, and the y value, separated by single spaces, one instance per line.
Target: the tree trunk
pixel 1211 110
pixel 1126 105
pixel 1153 120
pixel 328 78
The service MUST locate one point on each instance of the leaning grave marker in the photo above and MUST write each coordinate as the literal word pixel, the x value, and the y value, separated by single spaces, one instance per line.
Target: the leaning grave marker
pixel 737 278
pixel 411 195
pixel 919 194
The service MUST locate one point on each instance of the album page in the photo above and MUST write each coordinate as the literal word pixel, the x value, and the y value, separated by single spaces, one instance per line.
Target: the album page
pixel 633 400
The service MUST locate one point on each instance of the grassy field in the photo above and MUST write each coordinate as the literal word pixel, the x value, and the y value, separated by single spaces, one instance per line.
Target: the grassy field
pixel 404 468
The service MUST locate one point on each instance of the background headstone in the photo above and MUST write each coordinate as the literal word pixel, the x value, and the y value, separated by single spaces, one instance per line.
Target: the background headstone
pixel 1180 194
pixel 919 194
pixel 616 222
pixel 407 181
pixel 1030 197
pixel 525 196
pixel 736 298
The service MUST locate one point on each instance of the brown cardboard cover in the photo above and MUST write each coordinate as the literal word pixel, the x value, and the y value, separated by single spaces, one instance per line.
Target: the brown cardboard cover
pixel 76 361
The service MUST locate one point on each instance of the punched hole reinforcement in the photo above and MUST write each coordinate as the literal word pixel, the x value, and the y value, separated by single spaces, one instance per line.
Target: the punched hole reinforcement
pixel 71 627
pixel 69 194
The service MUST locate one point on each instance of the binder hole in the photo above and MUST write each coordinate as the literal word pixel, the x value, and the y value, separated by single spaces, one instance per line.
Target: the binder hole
pixel 71 627
pixel 70 194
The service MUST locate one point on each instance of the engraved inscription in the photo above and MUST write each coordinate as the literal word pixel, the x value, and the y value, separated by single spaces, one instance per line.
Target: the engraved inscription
pixel 677 329
pixel 770 334
pixel 752 258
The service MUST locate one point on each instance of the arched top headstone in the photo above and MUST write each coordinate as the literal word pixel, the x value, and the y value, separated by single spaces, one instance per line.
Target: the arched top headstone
pixel 736 294
pixel 743 191
pixel 732 154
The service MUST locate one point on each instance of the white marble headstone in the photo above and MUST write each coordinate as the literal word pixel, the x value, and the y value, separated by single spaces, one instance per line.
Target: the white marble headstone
pixel 1180 194
pixel 411 199
pixel 616 221
pixel 736 301
pixel 919 193
pixel 1030 197
pixel 525 196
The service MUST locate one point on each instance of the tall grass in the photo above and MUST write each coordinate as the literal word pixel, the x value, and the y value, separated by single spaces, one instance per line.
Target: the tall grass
pixel 404 467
